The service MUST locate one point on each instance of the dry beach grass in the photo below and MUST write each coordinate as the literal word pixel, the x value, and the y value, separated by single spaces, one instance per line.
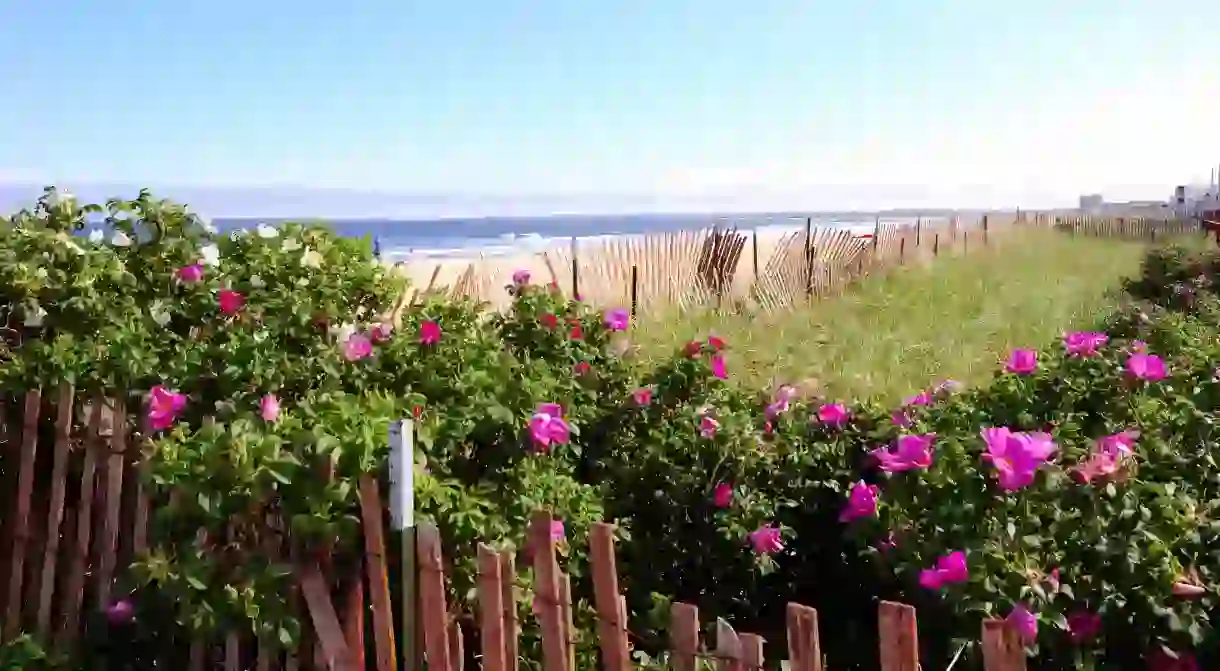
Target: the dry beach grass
pixel 897 332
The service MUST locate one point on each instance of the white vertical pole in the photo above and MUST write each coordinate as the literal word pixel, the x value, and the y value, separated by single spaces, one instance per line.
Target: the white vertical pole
pixel 402 519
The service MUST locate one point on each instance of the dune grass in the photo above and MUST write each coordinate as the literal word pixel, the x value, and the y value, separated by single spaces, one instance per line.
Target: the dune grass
pixel 892 335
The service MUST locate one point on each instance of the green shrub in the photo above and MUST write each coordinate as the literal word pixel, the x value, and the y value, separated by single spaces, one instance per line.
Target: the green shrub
pixel 731 498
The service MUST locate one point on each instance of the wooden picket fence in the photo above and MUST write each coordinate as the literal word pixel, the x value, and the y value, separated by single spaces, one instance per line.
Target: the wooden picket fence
pixel 552 606
pixel 1130 228
pixel 76 513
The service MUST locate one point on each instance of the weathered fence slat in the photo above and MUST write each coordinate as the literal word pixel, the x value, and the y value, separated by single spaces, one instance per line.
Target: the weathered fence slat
pixel 19 531
pixel 78 551
pixel 684 636
pixel 433 612
pixel 611 629
pixel 804 646
pixel 112 502
pixel 491 609
pixel 1002 649
pixel 372 522
pixel 55 516
pixel 899 639
pixel 547 606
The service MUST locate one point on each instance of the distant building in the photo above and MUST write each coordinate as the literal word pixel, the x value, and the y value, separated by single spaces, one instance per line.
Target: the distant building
pixel 1092 203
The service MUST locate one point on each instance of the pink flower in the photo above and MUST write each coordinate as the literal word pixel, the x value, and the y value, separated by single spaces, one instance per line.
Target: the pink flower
pixel 357 347
pixel 949 569
pixel 164 406
pixel 549 321
pixel 1016 457
pixel 231 302
pixel 722 496
pixel 581 368
pixel 783 400
pixel 642 396
pixel 1187 590
pixel 908 454
pixel 833 414
pixel 521 277
pixel 718 367
pixel 269 407
pixel 1139 346
pixel 547 427
pixel 429 333
pixel 920 399
pixel 1022 362
pixel 381 332
pixel 766 540
pixel 617 319
pixel 1023 622
pixel 901 419
pixel 1083 625
pixel 889 542
pixel 861 502
pixel 1120 444
pixel 716 343
pixel 692 349
pixel 1147 367
pixel 557 531
pixel 120 612
pixel 1084 343
pixel 577 333
pixel 190 274
pixel 708 427
pixel 1164 659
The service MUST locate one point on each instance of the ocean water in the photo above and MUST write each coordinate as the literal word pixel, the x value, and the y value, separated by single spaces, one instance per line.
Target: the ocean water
pixel 399 240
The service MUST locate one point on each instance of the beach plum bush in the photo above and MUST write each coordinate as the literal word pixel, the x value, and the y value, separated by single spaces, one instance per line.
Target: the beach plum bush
pixel 1076 495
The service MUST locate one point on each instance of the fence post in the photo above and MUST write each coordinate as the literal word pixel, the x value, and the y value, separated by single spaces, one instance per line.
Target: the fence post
pixel 808 258
pixel 804 647
pixel 611 629
pixel 575 271
pixel 635 290
pixel 754 257
pixel 936 245
pixel 985 227
pixel 402 519
pixel 546 590
pixel 433 612
pixel 899 639
pixel 375 566
pixel 918 230
pixel 1002 649
pixel 684 636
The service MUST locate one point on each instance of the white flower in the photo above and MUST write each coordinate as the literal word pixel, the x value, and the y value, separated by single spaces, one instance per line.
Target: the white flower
pixel 159 314
pixel 210 255
pixel 96 236
pixel 34 315
pixel 342 332
pixel 267 232
pixel 290 245
pixel 238 234
pixel 311 259
pixel 120 239
pixel 257 282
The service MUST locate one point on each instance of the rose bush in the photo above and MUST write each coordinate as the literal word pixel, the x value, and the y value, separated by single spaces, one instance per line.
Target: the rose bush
pixel 1076 495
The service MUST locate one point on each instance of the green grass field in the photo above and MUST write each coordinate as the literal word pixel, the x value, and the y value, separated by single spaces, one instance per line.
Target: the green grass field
pixel 892 335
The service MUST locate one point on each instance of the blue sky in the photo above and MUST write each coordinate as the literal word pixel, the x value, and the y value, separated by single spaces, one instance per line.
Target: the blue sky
pixel 768 103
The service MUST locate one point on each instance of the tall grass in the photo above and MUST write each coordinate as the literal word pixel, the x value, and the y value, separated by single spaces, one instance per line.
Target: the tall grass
pixel 892 335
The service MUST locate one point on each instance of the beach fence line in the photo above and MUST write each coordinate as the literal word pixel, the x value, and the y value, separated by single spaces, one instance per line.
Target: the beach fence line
pixel 75 515
pixel 730 268
pixel 1128 228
